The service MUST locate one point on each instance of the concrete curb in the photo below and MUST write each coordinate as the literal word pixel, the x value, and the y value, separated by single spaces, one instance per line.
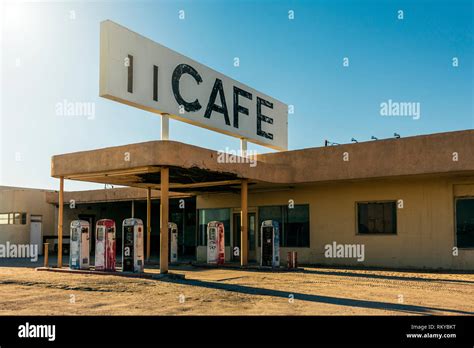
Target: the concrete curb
pixel 84 271
pixel 247 268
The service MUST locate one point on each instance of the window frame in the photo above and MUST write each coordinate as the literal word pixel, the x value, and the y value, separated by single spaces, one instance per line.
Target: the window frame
pixel 283 223
pixel 13 220
pixel 375 233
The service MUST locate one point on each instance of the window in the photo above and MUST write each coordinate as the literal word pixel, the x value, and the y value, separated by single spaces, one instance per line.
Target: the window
pixel 13 219
pixel 208 215
pixel 3 219
pixel 251 227
pixel 465 222
pixel 377 217
pixel 293 223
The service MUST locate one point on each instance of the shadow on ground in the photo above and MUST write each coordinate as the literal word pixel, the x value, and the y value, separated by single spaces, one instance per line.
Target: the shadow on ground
pixel 413 309
pixel 343 273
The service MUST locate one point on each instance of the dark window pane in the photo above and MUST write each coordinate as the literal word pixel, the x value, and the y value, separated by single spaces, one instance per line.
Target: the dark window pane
pixel 297 226
pixel 293 223
pixel 251 231
pixel 363 217
pixel 377 217
pixel 465 223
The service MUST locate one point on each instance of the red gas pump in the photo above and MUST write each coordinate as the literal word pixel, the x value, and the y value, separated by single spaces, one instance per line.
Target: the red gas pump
pixel 215 243
pixel 105 245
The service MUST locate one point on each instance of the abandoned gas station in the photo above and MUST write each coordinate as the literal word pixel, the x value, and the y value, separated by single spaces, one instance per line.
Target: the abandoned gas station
pixel 332 197
pixel 408 201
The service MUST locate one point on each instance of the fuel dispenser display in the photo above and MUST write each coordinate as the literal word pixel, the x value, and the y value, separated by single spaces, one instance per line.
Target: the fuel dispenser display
pixel 79 245
pixel 270 244
pixel 173 241
pixel 132 249
pixel 215 243
pixel 105 245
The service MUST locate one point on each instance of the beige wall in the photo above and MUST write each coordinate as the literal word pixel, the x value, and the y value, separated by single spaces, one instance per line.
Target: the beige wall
pixel 30 201
pixel 425 234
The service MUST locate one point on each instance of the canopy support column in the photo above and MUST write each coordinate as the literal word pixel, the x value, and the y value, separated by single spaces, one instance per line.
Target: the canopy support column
pixel 243 223
pixel 164 213
pixel 60 221
pixel 148 222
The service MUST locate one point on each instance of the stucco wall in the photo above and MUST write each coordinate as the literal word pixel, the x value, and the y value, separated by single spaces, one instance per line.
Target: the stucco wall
pixel 30 201
pixel 425 235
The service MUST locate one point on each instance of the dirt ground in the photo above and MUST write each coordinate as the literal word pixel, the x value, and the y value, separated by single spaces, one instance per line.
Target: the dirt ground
pixel 312 291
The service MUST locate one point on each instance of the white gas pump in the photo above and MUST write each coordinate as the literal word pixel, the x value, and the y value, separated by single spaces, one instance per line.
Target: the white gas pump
pixel 79 245
pixel 215 243
pixel 173 241
pixel 132 245
pixel 105 245
pixel 270 244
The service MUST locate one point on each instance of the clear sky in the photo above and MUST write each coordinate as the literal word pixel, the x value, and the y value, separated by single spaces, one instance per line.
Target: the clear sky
pixel 50 53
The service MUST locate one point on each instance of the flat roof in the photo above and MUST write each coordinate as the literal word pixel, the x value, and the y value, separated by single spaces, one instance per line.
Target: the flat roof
pixel 17 188
pixel 116 194
pixel 195 168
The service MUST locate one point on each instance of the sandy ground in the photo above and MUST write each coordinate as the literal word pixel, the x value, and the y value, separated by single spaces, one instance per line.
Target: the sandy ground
pixel 313 291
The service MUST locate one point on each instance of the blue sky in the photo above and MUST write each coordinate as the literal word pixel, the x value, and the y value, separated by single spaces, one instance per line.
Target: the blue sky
pixel 50 54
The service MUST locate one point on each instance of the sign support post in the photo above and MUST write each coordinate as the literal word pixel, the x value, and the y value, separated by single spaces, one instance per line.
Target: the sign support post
pixel 165 127
pixel 243 147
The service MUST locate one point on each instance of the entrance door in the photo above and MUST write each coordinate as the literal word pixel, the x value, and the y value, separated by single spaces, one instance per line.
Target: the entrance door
pixel 236 247
pixel 36 232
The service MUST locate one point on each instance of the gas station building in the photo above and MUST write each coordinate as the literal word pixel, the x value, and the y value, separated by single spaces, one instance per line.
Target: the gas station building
pixel 409 201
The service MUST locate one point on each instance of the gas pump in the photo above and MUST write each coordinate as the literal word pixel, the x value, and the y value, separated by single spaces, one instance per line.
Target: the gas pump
pixel 173 241
pixel 132 249
pixel 79 245
pixel 215 243
pixel 105 245
pixel 270 244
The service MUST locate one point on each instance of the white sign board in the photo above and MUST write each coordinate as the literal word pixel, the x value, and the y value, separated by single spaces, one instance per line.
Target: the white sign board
pixel 139 72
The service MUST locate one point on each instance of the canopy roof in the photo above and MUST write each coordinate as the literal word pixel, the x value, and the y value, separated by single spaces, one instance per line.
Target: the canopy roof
pixel 196 169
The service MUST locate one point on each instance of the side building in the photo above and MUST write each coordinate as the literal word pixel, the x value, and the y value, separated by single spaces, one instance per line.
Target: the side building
pixel 25 216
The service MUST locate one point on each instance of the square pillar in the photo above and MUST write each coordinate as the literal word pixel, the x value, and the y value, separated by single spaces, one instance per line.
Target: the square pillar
pixel 60 221
pixel 148 222
pixel 164 213
pixel 243 223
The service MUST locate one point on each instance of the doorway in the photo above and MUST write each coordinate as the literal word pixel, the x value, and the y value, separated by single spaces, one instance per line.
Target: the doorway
pixel 236 247
pixel 36 232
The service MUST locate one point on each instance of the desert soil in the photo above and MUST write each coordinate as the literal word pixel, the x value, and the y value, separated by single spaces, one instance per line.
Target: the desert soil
pixel 312 291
